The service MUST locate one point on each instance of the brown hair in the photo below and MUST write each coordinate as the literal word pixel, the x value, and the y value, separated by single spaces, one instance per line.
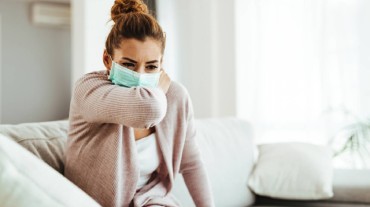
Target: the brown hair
pixel 132 20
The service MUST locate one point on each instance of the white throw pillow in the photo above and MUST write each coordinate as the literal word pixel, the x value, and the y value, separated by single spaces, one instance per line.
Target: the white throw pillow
pixel 27 181
pixel 295 171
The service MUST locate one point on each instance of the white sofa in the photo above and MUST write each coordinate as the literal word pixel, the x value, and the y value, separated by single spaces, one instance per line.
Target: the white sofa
pixel 228 152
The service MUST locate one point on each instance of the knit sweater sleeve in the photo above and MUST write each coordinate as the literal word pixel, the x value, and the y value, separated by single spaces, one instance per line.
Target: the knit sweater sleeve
pixel 97 100
pixel 192 167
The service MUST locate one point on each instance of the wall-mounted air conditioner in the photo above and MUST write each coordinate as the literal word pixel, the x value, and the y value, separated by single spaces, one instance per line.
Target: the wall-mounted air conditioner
pixel 51 14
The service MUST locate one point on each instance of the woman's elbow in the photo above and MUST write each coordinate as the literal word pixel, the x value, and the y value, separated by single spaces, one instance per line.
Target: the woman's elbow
pixel 157 113
pixel 151 114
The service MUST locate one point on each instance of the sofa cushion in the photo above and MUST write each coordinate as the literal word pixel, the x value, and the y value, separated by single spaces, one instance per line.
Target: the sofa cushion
pixel 227 151
pixel 296 171
pixel 46 140
pixel 27 181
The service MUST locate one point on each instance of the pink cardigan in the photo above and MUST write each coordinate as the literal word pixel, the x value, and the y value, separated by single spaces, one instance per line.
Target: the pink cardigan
pixel 101 155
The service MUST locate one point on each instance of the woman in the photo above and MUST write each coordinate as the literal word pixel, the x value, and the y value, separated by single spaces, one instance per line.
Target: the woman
pixel 131 127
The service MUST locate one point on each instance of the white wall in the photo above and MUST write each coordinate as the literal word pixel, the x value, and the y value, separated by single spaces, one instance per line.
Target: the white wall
pixel 165 15
pixel 1 87
pixel 364 59
pixel 90 28
pixel 35 67
pixel 203 54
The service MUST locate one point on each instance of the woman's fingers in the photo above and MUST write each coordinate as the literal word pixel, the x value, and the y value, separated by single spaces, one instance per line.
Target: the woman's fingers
pixel 164 81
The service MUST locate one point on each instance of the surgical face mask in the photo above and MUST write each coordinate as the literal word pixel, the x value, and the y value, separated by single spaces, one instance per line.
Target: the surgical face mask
pixel 122 76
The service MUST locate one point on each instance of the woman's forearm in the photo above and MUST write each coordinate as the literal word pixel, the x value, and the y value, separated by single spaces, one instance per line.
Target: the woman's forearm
pixel 198 185
pixel 99 101
pixel 192 167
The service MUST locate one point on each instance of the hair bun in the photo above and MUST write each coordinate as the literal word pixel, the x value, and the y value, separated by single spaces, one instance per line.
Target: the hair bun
pixel 121 7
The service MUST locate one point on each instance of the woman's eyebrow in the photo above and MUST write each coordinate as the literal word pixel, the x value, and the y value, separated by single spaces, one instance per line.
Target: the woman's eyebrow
pixel 131 60
pixel 153 61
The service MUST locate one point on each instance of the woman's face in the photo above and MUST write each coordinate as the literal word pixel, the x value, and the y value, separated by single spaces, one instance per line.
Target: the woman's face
pixel 139 56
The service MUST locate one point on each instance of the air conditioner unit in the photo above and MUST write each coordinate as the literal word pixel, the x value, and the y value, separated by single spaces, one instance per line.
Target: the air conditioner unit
pixel 51 14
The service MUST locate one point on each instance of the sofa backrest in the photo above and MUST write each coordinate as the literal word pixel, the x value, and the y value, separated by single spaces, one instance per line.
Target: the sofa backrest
pixel 227 151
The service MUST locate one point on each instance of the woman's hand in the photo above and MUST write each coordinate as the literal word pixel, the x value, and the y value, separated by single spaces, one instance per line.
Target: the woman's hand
pixel 164 81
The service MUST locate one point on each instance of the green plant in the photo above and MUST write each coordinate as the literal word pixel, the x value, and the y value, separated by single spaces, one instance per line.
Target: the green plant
pixel 355 143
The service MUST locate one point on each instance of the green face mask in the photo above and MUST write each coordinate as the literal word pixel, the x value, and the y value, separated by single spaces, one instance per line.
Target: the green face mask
pixel 122 76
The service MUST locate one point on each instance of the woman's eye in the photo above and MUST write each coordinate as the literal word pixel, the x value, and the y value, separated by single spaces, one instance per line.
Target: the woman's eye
pixel 127 65
pixel 151 67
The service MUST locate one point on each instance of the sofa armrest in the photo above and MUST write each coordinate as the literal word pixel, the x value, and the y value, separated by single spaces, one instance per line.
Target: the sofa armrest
pixel 25 180
pixel 351 186
pixel 46 140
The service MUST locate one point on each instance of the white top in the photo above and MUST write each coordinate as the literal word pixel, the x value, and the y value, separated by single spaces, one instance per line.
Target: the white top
pixel 148 155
